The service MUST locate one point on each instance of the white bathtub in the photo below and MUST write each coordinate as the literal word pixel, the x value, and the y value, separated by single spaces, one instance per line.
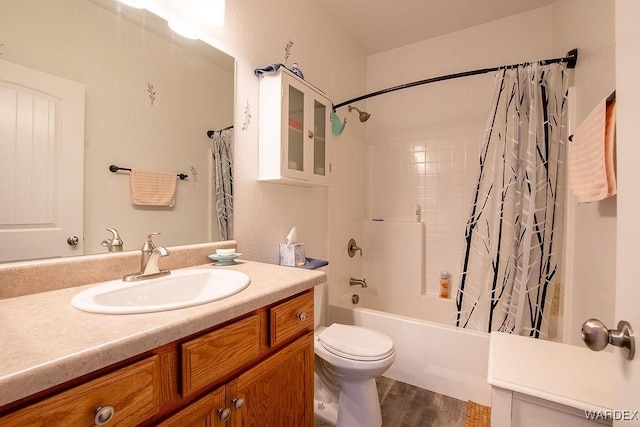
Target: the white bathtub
pixel 436 357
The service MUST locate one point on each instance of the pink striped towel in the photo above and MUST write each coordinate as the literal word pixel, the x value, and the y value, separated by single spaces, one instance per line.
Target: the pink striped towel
pixel 153 188
pixel 591 155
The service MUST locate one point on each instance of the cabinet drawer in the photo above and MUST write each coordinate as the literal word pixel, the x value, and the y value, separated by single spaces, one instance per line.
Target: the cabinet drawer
pixel 211 356
pixel 291 318
pixel 132 392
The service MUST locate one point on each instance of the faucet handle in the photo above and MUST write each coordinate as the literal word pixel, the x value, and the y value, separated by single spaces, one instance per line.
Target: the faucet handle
pixel 148 242
pixel 150 236
pixel 352 248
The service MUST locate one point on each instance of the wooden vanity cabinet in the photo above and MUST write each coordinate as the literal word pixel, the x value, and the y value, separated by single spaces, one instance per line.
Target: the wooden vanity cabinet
pixel 256 370
pixel 277 390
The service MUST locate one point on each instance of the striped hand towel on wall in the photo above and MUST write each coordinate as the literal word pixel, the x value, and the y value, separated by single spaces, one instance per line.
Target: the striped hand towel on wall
pixel 153 188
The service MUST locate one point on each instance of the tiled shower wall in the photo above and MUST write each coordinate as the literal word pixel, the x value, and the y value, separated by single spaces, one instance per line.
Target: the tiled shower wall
pixel 437 174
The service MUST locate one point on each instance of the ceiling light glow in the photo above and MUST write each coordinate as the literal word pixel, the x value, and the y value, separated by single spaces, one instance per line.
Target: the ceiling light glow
pixel 210 12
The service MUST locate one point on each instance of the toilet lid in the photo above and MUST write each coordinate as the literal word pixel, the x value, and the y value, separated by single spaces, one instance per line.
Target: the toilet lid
pixel 356 342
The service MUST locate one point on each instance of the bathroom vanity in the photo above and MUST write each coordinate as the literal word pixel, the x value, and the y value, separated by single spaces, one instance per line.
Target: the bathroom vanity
pixel 244 360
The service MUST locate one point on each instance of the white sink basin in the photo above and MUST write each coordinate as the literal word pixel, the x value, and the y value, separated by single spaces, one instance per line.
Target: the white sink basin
pixel 181 288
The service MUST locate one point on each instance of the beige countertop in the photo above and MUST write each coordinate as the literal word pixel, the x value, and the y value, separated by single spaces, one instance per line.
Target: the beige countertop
pixel 44 341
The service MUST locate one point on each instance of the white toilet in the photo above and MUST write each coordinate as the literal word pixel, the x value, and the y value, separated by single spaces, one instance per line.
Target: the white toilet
pixel 347 361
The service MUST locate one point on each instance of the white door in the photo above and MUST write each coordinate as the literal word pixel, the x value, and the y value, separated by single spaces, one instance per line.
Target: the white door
pixel 627 373
pixel 41 164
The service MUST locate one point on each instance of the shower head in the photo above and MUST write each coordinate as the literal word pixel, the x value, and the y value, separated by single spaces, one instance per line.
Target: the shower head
pixel 363 115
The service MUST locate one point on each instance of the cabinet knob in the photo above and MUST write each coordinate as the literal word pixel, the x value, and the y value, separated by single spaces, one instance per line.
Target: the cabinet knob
pixel 225 414
pixel 301 316
pixel 73 240
pixel 311 134
pixel 238 402
pixel 104 414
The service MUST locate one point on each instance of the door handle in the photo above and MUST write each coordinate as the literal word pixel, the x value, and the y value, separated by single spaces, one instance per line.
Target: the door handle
pixel 596 335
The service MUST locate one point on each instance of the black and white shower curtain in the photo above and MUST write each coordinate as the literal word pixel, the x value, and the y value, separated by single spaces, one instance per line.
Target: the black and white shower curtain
pixel 513 237
pixel 222 152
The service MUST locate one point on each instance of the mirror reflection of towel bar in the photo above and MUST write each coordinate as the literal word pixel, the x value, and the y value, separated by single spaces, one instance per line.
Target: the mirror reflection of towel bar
pixel 114 169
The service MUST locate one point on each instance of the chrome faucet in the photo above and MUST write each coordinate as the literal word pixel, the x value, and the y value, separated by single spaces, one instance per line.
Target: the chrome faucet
pixel 358 282
pixel 149 261
pixel 147 248
pixel 151 269
pixel 115 244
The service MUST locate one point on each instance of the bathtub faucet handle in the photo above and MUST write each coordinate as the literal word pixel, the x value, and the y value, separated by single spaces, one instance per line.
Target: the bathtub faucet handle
pixel 352 248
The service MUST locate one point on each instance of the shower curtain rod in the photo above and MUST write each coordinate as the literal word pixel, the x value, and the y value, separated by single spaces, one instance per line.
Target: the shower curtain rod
pixel 211 132
pixel 571 59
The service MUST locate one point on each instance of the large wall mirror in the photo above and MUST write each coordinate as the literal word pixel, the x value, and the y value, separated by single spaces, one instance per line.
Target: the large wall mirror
pixel 150 96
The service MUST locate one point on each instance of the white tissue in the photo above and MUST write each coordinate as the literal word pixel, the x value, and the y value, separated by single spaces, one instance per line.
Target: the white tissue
pixel 292 253
pixel 292 237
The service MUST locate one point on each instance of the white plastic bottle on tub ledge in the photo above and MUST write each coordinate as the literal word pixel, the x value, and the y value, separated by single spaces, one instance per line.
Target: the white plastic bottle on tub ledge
pixel 444 283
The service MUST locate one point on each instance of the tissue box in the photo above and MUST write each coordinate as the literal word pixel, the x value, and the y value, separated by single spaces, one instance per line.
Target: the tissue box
pixel 292 255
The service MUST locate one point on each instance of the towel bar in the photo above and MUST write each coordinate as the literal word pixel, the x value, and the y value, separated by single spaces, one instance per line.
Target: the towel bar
pixel 114 169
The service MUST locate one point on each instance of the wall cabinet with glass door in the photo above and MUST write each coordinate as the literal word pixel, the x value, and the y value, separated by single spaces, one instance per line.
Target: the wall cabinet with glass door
pixel 294 131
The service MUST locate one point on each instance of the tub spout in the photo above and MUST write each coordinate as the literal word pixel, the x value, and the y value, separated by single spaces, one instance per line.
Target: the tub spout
pixel 358 282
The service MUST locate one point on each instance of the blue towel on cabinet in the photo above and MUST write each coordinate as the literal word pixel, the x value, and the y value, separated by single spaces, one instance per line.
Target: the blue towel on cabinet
pixel 267 70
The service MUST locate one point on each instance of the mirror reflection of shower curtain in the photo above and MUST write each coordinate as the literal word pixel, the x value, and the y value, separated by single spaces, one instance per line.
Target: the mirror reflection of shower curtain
pixel 513 233
pixel 222 152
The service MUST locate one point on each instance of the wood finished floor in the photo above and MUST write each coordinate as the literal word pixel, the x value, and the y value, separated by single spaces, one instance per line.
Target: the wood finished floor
pixel 404 405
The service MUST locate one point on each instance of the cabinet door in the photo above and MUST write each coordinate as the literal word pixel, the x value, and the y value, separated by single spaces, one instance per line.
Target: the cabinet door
pixel 295 155
pixel 320 108
pixel 206 412
pixel 278 391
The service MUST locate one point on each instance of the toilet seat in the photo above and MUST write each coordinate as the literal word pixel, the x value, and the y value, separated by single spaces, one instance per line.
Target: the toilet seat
pixel 356 342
